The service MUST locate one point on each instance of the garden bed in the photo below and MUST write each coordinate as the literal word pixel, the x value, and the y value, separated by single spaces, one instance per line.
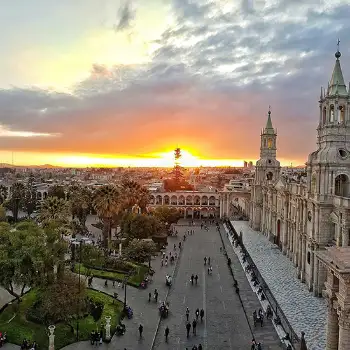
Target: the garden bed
pixel 13 321
pixel 134 280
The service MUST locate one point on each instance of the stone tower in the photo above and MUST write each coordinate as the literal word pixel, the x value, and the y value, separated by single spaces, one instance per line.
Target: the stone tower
pixel 328 174
pixel 266 171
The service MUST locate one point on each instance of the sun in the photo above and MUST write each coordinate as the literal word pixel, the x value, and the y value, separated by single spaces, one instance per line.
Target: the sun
pixel 187 159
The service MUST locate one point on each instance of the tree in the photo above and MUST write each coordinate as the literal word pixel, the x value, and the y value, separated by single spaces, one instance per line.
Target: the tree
pixel 140 251
pixel 140 226
pixel 167 215
pixel 3 193
pixel 2 214
pixel 30 197
pixel 54 209
pixel 15 203
pixel 107 204
pixel 64 300
pixel 56 191
pixel 22 254
pixel 81 203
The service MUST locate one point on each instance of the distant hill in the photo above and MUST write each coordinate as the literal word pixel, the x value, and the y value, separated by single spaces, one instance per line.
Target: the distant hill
pixel 44 166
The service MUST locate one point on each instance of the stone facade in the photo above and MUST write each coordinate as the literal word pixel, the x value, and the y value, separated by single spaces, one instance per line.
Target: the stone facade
pixel 305 216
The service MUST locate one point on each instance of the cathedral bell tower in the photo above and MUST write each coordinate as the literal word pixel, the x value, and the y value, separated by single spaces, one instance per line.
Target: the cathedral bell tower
pixel 266 171
pixel 267 167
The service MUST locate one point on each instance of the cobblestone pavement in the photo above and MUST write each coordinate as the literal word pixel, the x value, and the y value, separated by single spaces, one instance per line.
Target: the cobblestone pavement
pixel 225 325
pixel 304 311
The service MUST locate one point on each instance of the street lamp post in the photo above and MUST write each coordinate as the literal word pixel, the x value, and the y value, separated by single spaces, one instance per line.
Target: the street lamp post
pixel 126 278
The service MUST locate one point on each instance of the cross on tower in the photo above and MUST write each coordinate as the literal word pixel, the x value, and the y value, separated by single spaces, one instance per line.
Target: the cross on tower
pixel 338 42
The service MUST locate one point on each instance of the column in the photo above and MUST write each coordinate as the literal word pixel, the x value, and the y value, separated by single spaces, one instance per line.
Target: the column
pixel 344 330
pixel 316 268
pixel 303 258
pixel 220 204
pixel 345 240
pixel 332 328
pixel 338 233
pixel 300 248
pixel 312 277
pixel 270 225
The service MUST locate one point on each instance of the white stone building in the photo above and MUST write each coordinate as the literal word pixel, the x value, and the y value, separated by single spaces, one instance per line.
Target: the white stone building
pixel 305 217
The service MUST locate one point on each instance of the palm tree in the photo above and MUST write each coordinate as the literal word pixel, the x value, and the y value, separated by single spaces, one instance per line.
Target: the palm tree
pixel 133 193
pixel 14 204
pixel 54 209
pixel 81 202
pixel 30 197
pixel 106 202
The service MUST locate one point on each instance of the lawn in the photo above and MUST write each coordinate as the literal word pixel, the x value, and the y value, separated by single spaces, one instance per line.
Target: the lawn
pixel 13 321
pixel 134 280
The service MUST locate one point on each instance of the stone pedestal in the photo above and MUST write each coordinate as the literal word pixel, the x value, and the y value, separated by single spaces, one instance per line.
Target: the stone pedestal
pixel 108 328
pixel 332 329
pixel 51 337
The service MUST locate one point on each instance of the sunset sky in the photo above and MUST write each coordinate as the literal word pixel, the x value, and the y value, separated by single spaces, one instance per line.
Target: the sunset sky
pixel 112 82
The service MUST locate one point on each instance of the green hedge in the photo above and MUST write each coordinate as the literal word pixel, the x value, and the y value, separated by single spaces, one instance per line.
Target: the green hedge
pixel 134 280
pixel 13 321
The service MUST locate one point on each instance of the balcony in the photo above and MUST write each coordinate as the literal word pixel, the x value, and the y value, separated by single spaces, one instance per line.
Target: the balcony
pixel 341 202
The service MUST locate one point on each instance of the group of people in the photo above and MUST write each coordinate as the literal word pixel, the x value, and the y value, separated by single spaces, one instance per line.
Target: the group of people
pixel 193 325
pixel 27 345
pixel 96 337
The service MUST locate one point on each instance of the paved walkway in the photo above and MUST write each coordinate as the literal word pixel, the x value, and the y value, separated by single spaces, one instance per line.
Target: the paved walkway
pixel 304 311
pixel 144 312
pixel 225 325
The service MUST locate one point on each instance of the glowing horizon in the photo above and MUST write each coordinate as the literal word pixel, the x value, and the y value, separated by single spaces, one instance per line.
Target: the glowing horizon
pixel 154 160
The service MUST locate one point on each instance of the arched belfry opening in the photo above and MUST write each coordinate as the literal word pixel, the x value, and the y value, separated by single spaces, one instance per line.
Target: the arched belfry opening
pixel 342 185
pixel 269 176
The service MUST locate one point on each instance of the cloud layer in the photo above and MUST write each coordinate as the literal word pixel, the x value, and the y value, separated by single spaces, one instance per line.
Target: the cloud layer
pixel 207 84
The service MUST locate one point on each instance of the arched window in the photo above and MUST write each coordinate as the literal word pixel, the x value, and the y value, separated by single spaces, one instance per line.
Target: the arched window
pixel 189 200
pixel 269 176
pixel 324 118
pixel 308 257
pixel 341 114
pixel 204 200
pixel 166 200
pixel 342 185
pixel 331 114
pixel 269 143
pixel 173 200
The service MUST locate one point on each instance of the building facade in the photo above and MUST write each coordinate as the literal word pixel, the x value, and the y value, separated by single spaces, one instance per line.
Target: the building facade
pixel 305 216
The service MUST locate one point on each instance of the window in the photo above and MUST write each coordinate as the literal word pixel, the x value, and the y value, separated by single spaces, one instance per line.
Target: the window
pixel 324 119
pixel 331 114
pixel 342 185
pixel 308 257
pixel 341 114
pixel 269 161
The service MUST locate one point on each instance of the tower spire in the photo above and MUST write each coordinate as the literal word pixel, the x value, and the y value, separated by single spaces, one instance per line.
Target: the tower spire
pixel 268 127
pixel 337 84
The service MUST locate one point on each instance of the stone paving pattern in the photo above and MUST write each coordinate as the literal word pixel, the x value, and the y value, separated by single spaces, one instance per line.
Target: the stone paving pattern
pixel 304 311
pixel 225 325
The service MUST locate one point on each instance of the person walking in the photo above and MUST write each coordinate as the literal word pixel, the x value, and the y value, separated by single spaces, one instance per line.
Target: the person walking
pixel 192 278
pixel 209 261
pixel 194 326
pixel 149 297
pixel 188 328
pixel 166 333
pixel 200 347
pixel 202 314
pixel 187 313
pixel 196 278
pixel 197 314
pixel 140 330
pixel 205 260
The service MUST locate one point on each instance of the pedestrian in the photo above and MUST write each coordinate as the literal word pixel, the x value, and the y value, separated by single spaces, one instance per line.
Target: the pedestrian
pixel 187 313
pixel 261 320
pixel 192 278
pixel 140 330
pixel 194 326
pixel 253 344
pixel 202 314
pixel 194 347
pixel 162 262
pixel 196 278
pixel 166 333
pixel 259 346
pixel 113 283
pixel 197 314
pixel 149 297
pixel 188 328
pixel 200 347
pixel 174 246
pixel 205 260
pixel 209 261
